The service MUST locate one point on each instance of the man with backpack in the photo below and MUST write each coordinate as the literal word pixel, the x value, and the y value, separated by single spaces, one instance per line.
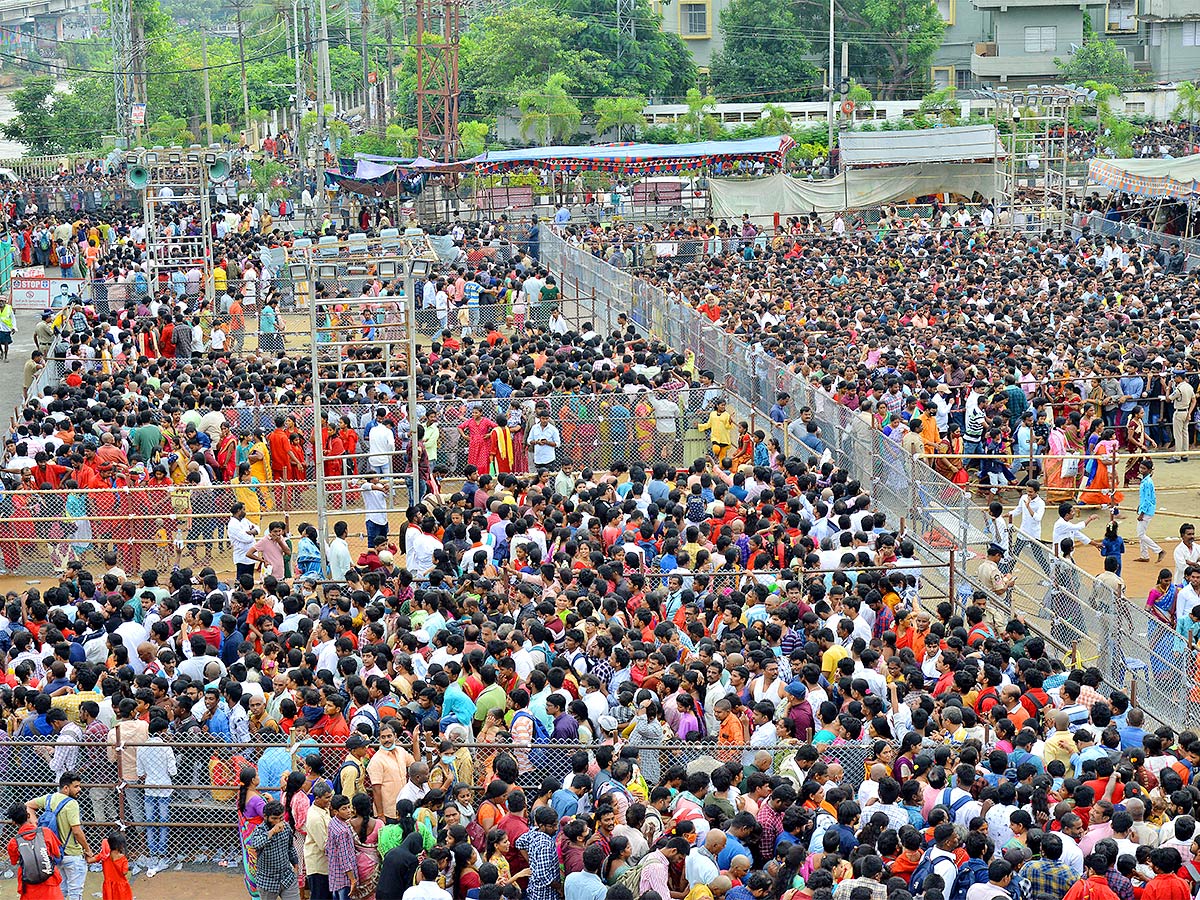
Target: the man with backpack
pixel 938 860
pixel 59 814
pixel 35 851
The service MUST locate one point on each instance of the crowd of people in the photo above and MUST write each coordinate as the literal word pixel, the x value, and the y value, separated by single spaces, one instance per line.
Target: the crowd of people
pixel 626 647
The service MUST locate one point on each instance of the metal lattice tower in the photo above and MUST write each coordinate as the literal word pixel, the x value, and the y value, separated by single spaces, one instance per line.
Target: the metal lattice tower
pixel 121 32
pixel 437 78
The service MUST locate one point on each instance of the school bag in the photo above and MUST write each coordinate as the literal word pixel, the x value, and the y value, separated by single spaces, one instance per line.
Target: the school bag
pixel 34 858
pixel 632 876
pixel 48 817
pixel 916 882
pixel 537 755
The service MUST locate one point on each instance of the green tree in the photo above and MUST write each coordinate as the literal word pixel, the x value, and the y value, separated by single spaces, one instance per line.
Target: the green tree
pixel 472 137
pixel 775 120
pixel 33 124
pixel 892 40
pixel 1187 106
pixel 700 124
pixel 506 54
pixel 620 113
pixel 655 64
pixel 548 111
pixel 940 105
pixel 764 47
pixel 168 130
pixel 1101 61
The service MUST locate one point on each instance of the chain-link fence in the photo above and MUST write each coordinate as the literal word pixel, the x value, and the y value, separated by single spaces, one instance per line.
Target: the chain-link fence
pixel 1074 612
pixel 201 819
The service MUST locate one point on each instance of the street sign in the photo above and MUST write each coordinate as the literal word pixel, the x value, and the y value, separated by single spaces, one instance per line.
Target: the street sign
pixel 137 114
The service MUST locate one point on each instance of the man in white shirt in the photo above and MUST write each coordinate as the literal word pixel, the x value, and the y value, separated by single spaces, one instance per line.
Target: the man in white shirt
pixel 1027 516
pixel 545 440
pixel 381 444
pixel 1189 594
pixel 1187 552
pixel 242 536
pixel 1066 526
pixel 422 547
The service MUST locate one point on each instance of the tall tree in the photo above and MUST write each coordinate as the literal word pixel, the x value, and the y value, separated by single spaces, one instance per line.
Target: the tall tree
pixel 620 113
pixel 775 120
pixel 764 52
pixel 503 55
pixel 1187 106
pixel 1101 61
pixel 700 124
pixel 33 125
pixel 548 112
pixel 891 42
pixel 650 62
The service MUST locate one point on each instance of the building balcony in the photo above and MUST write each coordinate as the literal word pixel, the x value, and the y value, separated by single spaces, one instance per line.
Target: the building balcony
pixel 1018 65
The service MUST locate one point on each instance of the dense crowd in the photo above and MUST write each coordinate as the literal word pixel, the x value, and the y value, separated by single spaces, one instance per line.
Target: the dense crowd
pixel 580 668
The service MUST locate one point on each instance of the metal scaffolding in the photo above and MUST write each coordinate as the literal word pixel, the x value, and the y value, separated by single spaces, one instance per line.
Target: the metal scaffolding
pixel 437 78
pixel 1033 174
pixel 177 179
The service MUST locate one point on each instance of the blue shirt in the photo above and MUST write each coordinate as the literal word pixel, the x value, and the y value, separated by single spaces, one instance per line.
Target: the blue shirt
pixel 1131 386
pixel 584 886
pixel 456 702
pixel 565 802
pixel 733 847
pixel 1147 499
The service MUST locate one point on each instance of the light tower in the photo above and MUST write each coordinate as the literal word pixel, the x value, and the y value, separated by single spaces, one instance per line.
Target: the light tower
pixel 437 78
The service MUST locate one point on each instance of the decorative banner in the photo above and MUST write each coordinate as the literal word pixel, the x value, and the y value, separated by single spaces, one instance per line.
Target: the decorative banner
pixel 137 114
pixel 30 272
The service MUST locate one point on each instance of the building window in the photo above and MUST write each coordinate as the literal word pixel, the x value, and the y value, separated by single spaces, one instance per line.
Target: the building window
pixel 962 79
pixel 1135 108
pixel 1122 16
pixel 1041 38
pixel 946 10
pixel 693 20
pixel 942 77
pixel 1156 31
pixel 1189 34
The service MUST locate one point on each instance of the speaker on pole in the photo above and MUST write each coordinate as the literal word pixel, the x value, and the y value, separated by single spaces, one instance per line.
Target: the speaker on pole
pixel 137 176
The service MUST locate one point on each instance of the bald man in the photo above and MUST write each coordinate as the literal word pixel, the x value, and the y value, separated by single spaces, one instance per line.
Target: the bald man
pixel 701 866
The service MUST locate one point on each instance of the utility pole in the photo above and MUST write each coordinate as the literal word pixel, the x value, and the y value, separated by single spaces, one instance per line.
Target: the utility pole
pixel 830 87
pixel 322 98
pixel 207 92
pixel 120 32
pixel 299 87
pixel 238 6
pixel 364 21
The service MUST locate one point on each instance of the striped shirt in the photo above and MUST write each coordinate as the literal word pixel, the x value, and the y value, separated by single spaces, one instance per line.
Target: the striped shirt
pixel 277 859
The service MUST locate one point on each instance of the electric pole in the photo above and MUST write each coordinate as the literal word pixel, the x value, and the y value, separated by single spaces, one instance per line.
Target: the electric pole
pixel 322 97
pixel 366 65
pixel 207 93
pixel 121 33
pixel 237 6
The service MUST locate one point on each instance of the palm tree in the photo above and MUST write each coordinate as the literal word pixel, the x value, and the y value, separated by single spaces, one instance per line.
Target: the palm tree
pixel 700 123
pixel 389 12
pixel 548 111
pixel 619 113
pixel 1188 106
pixel 775 120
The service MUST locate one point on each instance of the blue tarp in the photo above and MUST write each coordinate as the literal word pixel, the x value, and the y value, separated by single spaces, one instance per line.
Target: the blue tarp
pixel 636 156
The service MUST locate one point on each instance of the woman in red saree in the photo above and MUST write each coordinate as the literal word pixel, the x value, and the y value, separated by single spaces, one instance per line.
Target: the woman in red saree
pixel 478 431
pixel 744 454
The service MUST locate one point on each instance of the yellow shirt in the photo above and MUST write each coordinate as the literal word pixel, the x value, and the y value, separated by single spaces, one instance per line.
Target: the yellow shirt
pixel 719 427
pixel 830 658
pixel 261 469
pixel 220 280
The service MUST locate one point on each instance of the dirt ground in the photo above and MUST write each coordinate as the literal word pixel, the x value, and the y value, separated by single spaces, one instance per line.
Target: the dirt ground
pixel 170 885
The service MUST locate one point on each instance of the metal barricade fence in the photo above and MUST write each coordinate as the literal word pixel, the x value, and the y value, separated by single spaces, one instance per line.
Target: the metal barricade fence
pixel 938 516
pixel 201 819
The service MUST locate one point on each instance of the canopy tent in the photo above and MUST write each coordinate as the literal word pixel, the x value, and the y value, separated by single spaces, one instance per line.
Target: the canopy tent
pixel 1160 179
pixel 636 158
pixel 965 144
pixel 854 189
pixel 382 176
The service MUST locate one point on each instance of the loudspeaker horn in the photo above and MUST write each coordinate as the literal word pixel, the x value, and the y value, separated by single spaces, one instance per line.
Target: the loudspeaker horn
pixel 137 177
pixel 219 170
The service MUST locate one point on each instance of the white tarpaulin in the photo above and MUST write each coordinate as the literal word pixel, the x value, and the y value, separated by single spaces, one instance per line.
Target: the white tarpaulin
pixel 966 143
pixel 867 187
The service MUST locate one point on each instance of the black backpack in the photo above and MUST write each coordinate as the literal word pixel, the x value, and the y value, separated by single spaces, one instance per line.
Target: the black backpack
pixel 35 862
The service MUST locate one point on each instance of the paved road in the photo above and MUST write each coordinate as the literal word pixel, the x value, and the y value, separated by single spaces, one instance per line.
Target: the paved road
pixel 11 372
